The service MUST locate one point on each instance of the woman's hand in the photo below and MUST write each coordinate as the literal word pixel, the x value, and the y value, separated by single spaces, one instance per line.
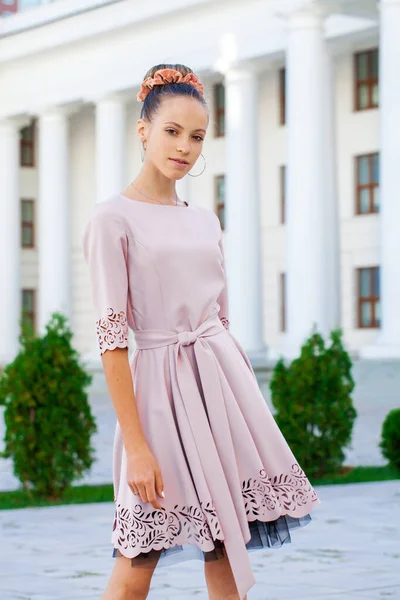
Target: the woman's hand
pixel 144 476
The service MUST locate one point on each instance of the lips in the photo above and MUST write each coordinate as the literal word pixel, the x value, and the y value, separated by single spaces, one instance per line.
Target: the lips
pixel 180 161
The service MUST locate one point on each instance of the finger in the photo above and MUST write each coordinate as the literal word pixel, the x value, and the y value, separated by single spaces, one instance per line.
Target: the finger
pixel 151 494
pixel 159 484
pixel 142 492
pixel 134 489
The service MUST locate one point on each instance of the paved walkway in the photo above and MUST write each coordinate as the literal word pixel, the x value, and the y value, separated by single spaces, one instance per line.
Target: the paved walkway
pixel 351 551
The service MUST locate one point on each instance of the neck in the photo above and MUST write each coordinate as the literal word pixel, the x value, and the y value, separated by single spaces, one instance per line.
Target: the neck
pixel 156 185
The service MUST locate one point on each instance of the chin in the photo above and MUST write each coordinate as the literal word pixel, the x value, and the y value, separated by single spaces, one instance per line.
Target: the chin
pixel 179 176
pixel 176 175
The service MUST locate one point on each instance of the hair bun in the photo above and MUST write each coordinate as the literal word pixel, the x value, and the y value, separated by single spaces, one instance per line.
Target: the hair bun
pixel 166 76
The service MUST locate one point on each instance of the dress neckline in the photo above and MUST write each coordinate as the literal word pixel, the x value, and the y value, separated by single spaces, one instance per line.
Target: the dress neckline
pixel 156 205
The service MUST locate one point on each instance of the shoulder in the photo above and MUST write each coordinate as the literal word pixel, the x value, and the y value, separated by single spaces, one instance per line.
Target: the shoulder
pixel 211 217
pixel 108 211
pixel 207 213
pixel 105 219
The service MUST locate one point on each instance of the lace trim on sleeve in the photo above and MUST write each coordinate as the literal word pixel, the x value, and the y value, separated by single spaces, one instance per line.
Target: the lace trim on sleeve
pixel 112 331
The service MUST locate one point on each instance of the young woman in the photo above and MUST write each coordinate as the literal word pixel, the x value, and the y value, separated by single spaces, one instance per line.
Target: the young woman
pixel 201 469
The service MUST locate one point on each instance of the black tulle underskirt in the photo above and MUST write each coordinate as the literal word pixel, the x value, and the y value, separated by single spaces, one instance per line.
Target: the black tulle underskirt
pixel 269 534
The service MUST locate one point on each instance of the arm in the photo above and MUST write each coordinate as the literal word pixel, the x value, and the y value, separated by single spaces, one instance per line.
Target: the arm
pixel 105 251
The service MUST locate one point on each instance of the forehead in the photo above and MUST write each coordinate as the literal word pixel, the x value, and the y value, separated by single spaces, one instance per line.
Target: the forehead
pixel 185 110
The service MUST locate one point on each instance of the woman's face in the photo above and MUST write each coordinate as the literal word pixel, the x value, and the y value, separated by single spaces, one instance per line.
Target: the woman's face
pixel 173 140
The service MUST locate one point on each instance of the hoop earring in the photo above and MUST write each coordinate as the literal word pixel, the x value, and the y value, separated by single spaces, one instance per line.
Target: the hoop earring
pixel 142 152
pixel 204 168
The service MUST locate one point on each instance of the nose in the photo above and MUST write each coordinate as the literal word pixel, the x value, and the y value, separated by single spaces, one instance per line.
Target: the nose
pixel 183 147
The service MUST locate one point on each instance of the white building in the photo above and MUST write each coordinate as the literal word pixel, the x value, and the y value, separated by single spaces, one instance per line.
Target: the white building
pixel 308 144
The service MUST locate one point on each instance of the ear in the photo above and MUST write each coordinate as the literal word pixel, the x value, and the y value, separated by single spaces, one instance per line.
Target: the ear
pixel 141 130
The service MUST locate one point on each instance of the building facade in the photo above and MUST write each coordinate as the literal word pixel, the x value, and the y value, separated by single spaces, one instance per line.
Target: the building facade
pixel 301 152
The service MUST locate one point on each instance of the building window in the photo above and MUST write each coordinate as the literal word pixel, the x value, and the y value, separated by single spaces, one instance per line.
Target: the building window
pixel 220 199
pixel 282 96
pixel 366 67
pixel 219 109
pixel 29 308
pixel 27 223
pixel 369 306
pixel 367 183
pixel 282 192
pixel 27 146
pixel 282 286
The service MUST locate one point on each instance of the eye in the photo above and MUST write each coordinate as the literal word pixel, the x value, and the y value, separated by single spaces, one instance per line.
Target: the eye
pixel 170 130
pixel 198 138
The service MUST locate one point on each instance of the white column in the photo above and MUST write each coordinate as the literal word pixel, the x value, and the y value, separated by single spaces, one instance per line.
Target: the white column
pixel 311 237
pixel 10 240
pixel 242 214
pixel 54 217
pixel 110 147
pixel 331 280
pixel 388 341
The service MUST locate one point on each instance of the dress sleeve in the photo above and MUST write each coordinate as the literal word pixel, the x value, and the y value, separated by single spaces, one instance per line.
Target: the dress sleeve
pixel 105 246
pixel 223 297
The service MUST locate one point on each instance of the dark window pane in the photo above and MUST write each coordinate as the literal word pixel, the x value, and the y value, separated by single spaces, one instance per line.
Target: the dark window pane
pixel 376 204
pixel 365 283
pixel 27 211
pixel 27 300
pixel 378 313
pixel 374 63
pixel 363 96
pixel 220 96
pixel 364 201
pixel 366 314
pixel 375 168
pixel 363 170
pixel 377 282
pixel 375 94
pixel 27 155
pixel 27 133
pixel 222 215
pixel 27 239
pixel 221 124
pixel 362 66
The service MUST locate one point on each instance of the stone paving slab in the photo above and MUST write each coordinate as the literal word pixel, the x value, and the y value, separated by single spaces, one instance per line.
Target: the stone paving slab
pixel 350 551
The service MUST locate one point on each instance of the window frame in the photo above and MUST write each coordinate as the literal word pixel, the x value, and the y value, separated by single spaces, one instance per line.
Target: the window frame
pixel 372 299
pixel 370 186
pixel 31 314
pixel 282 96
pixel 369 81
pixel 218 111
pixel 219 206
pixel 282 292
pixel 30 144
pixel 29 224
pixel 282 192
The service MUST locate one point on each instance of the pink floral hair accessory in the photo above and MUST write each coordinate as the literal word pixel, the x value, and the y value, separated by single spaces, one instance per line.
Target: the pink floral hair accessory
pixel 163 76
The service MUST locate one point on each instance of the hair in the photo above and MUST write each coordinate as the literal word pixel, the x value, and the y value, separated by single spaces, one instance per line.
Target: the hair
pixel 153 100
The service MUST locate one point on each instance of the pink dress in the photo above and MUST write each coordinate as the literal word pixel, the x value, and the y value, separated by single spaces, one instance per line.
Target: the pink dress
pixel 229 475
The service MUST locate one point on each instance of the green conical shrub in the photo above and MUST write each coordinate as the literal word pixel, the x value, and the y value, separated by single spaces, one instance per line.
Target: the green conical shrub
pixel 314 408
pixel 48 418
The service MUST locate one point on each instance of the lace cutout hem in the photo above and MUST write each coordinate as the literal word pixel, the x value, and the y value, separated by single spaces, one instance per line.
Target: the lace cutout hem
pixel 138 528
